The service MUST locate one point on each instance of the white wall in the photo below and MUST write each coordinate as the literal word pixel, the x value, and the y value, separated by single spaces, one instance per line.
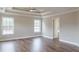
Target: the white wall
pixel 69 27
pixel 0 28
pixel 23 27
pixel 47 27
pixel 78 25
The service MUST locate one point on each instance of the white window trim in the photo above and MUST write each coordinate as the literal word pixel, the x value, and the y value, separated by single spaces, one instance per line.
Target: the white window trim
pixel 38 31
pixel 8 32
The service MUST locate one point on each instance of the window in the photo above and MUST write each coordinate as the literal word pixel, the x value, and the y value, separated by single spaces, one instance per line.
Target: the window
pixel 7 25
pixel 37 25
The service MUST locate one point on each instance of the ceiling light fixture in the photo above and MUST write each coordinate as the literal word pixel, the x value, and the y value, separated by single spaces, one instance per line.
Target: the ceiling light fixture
pixel 32 10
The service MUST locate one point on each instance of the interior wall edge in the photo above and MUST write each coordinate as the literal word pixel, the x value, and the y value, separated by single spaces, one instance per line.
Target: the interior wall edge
pixel 19 38
pixel 73 43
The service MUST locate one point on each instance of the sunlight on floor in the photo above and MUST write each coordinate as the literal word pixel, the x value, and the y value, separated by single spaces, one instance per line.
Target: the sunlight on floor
pixel 7 47
pixel 37 44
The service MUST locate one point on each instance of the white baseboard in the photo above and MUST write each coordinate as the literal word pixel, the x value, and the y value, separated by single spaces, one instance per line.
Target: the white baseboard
pixel 42 36
pixel 19 38
pixel 73 43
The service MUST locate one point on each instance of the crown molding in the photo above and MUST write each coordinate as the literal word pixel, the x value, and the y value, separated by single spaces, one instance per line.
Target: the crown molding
pixel 16 14
pixel 61 13
pixel 22 12
pixel 45 13
pixel 10 11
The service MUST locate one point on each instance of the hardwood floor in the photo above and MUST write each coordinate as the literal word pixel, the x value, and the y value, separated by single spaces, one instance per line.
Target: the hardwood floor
pixel 38 44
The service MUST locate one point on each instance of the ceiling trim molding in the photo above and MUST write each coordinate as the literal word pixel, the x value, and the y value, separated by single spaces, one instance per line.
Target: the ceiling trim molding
pixel 15 14
pixel 23 12
pixel 18 13
pixel 10 11
pixel 50 13
pixel 45 13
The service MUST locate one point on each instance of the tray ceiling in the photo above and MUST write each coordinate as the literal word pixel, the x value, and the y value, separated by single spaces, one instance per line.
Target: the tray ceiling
pixel 37 10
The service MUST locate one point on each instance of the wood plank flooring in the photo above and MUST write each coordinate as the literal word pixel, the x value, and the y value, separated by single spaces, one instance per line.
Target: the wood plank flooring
pixel 38 44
